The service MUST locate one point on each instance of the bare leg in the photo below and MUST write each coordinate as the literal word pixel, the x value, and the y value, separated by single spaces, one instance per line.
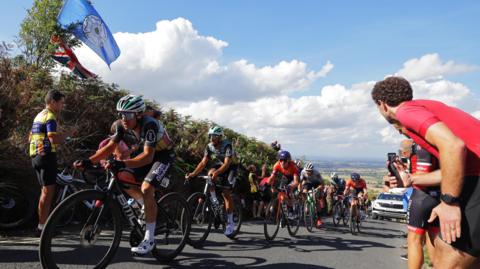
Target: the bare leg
pixel 448 257
pixel 415 250
pixel 45 202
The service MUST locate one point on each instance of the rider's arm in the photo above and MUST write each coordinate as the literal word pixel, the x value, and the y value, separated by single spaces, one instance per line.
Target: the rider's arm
pixel 200 166
pixel 142 159
pixel 296 181
pixel 104 152
pixel 225 165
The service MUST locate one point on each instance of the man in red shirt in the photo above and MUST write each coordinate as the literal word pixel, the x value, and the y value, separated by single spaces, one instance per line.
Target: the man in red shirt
pixel 451 135
pixel 287 169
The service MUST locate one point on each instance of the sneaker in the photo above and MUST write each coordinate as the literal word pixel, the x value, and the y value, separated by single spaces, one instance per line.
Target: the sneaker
pixel 404 257
pixel 144 247
pixel 229 229
pixel 319 223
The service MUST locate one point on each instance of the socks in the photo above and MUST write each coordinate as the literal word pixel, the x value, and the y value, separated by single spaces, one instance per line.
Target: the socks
pixel 40 226
pixel 150 232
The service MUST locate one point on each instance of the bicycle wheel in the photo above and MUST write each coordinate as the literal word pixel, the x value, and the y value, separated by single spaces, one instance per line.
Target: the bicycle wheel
pixel 173 226
pixel 345 215
pixel 293 222
pixel 308 216
pixel 337 214
pixel 16 208
pixel 273 216
pixel 201 219
pixel 67 218
pixel 353 221
pixel 91 241
pixel 237 217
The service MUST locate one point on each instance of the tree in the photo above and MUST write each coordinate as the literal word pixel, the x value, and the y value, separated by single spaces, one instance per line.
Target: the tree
pixel 36 30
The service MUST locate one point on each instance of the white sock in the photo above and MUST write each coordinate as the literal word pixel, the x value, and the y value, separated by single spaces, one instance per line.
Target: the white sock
pixel 150 232
pixel 230 218
pixel 140 201
pixel 40 226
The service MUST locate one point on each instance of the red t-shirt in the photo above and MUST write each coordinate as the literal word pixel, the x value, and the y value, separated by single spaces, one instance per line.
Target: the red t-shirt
pixel 358 185
pixel 418 115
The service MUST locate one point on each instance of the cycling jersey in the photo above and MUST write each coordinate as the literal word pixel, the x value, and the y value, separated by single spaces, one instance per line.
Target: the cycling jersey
pixel 289 172
pixel 312 181
pixel 358 186
pixel 425 163
pixel 217 155
pixel 339 184
pixel 44 126
pixel 253 185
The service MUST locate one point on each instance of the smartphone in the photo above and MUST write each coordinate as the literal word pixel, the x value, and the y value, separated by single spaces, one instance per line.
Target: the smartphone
pixel 392 158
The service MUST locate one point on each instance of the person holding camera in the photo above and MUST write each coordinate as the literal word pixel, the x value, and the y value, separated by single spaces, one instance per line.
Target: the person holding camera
pixel 451 135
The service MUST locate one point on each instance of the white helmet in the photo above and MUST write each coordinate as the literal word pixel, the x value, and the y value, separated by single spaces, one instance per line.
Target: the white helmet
pixel 309 166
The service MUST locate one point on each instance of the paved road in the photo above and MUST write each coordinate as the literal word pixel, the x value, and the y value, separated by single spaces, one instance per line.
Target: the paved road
pixel 378 246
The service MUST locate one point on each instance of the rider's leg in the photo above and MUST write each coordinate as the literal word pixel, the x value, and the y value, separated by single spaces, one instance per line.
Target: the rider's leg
pixel 133 191
pixel 415 249
pixel 148 191
pixel 45 203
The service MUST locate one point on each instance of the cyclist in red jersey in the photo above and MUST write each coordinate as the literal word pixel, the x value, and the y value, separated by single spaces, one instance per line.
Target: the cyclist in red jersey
pixel 356 186
pixel 287 168
pixel 451 135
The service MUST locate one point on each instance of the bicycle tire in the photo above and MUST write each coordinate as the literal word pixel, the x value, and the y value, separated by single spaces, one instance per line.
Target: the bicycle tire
pixel 345 215
pixel 16 206
pixel 173 218
pixel 50 230
pixel 273 216
pixel 337 214
pixel 308 216
pixel 199 214
pixel 293 225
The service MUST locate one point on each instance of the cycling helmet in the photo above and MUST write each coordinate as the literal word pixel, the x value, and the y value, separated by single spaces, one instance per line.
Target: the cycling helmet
pixel 131 103
pixel 355 176
pixel 215 130
pixel 284 155
pixel 309 167
pixel 333 175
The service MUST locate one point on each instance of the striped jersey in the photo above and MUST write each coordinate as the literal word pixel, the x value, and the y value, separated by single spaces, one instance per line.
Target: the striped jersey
pixel 44 125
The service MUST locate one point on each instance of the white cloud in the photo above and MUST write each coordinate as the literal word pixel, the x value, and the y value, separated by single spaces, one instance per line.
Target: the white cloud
pixel 180 68
pixel 174 62
pixel 430 66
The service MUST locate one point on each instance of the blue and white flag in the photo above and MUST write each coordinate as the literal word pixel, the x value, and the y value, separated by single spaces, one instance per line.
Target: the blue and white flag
pixel 79 17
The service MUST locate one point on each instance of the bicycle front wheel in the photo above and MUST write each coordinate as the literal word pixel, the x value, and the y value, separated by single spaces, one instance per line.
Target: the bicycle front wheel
pixel 201 219
pixel 308 216
pixel 92 237
pixel 273 216
pixel 293 222
pixel 172 228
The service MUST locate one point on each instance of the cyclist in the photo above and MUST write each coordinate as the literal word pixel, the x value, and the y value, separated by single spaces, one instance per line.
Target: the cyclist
pixel 223 170
pixel 310 179
pixel 355 186
pixel 338 183
pixel 149 164
pixel 44 138
pixel 286 168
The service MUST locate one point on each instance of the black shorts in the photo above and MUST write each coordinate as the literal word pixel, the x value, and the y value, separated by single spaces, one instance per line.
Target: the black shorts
pixel 420 207
pixel 469 242
pixel 45 168
pixel 309 185
pixel 227 179
pixel 155 172
pixel 256 196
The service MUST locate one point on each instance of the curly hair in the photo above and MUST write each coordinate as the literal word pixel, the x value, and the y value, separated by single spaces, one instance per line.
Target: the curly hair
pixel 392 91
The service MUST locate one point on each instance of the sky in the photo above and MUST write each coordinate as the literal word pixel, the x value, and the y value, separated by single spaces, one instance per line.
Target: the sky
pixel 299 72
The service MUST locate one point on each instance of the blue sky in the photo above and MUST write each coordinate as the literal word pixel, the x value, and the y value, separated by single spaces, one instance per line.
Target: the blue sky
pixel 364 40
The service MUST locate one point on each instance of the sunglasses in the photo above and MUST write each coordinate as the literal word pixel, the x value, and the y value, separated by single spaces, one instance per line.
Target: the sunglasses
pixel 282 161
pixel 126 115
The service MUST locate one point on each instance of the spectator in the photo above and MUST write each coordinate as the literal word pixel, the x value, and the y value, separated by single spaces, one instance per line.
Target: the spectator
pixel 44 140
pixel 253 180
pixel 451 135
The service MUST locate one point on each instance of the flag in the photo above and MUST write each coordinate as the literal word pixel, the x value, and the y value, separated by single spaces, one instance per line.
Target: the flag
pixel 64 55
pixel 79 17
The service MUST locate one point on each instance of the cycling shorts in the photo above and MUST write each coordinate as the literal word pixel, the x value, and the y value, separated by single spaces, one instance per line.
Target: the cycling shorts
pixel 46 168
pixel 469 241
pixel 227 179
pixel 155 172
pixel 420 207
